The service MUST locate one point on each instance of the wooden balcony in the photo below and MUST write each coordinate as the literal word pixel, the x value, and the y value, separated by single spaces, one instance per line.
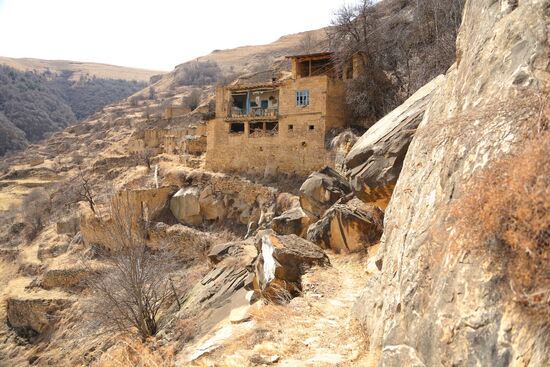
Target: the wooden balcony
pixel 255 113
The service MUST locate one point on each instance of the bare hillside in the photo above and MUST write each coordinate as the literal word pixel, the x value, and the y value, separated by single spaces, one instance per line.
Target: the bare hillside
pixel 104 71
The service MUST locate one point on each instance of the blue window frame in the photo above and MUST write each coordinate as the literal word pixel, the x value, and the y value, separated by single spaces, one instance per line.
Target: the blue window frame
pixel 302 98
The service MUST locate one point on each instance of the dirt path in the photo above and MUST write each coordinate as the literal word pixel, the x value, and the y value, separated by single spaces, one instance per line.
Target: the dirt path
pixel 315 329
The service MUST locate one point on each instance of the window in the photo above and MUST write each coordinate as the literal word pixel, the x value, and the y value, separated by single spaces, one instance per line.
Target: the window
pixel 311 127
pixel 272 127
pixel 236 128
pixel 290 127
pixel 302 98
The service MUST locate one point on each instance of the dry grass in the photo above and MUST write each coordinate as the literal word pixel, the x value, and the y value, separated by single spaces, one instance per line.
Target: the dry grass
pixel 131 353
pixel 506 211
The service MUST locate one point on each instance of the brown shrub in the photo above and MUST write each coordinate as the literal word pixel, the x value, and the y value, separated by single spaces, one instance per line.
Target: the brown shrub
pixel 506 210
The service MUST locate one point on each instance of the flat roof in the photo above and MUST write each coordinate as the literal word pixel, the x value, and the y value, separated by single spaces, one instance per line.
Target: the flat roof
pixel 307 56
pixel 251 86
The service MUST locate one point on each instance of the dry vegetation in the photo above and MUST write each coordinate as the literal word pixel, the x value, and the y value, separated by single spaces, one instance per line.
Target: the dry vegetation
pixel 404 45
pixel 506 212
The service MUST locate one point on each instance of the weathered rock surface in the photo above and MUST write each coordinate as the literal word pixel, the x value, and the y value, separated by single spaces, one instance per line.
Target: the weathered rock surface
pixel 293 221
pixel 63 278
pixel 348 227
pixel 281 263
pixel 321 190
pixel 374 162
pixel 435 302
pixel 212 207
pixel 186 207
pixel 241 249
pixel 31 317
pixel 232 272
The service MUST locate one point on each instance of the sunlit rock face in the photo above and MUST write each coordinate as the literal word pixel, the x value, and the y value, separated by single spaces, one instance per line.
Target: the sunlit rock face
pixel 436 302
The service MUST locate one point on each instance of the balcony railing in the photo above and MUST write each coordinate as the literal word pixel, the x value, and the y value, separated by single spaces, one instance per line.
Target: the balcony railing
pixel 255 112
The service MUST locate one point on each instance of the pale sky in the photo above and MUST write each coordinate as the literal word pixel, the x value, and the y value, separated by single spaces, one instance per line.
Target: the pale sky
pixel 155 34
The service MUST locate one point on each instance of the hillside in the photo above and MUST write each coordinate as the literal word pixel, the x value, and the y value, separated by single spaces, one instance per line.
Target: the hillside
pixel 79 69
pixel 35 103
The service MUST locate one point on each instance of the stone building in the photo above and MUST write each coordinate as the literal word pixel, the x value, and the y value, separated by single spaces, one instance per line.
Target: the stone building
pixel 281 124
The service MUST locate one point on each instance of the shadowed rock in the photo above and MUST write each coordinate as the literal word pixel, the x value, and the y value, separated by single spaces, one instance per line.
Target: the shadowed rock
pixel 293 221
pixel 321 190
pixel 348 227
pixel 374 163
pixel 281 263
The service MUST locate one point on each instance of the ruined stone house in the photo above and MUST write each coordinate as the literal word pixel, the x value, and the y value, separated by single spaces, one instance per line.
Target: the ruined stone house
pixel 279 125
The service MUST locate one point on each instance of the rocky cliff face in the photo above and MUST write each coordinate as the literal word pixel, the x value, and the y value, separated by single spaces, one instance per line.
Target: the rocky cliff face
pixel 436 301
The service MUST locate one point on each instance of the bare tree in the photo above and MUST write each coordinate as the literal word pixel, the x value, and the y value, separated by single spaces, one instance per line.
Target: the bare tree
pixel 145 157
pixel 192 100
pixel 134 287
pixel 80 189
pixel 309 43
pixel 402 46
pixel 152 93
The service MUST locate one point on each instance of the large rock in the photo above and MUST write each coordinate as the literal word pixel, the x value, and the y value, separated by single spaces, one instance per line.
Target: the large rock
pixel 293 221
pixel 233 271
pixel 321 190
pixel 30 317
pixel 240 249
pixel 212 207
pixel 348 227
pixel 281 263
pixel 441 298
pixel 374 162
pixel 185 206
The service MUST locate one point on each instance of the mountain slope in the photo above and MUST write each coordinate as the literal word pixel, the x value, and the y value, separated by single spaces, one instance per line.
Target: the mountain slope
pixel 34 103
pixel 79 69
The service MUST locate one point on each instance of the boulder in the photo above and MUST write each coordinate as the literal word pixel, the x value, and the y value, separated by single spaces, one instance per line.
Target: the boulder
pixel 293 221
pixel 375 160
pixel 238 249
pixel 233 271
pixel 212 207
pixel 281 263
pixel 186 207
pixel 348 227
pixel 30 317
pixel 68 226
pixel 443 297
pixel 321 190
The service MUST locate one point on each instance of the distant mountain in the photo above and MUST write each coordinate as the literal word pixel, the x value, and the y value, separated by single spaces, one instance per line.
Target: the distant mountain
pixel 78 69
pixel 47 99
